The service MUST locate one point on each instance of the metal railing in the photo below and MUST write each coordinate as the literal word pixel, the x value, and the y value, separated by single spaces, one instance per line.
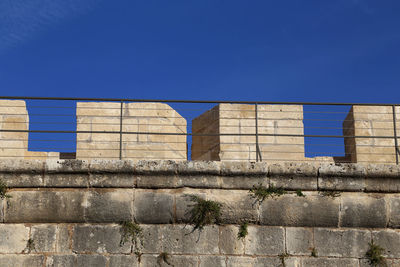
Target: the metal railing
pixel 245 130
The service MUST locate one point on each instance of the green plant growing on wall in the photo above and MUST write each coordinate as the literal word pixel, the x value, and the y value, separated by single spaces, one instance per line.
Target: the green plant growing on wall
pixel 243 230
pixel 260 192
pixel 203 212
pixel 3 190
pixel 299 193
pixel 131 231
pixel 330 193
pixel 164 257
pixel 283 257
pixel 314 252
pixel 374 255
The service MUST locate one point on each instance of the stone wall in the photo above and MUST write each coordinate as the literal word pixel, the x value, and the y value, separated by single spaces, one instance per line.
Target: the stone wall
pixel 371 121
pixel 71 210
pixel 238 123
pixel 142 118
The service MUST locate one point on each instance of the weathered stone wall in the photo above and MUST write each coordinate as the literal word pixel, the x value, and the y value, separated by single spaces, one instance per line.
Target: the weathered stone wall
pixel 145 118
pixel 238 122
pixel 71 210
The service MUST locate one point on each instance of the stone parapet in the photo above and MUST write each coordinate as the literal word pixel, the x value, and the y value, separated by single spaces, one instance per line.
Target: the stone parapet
pixel 152 131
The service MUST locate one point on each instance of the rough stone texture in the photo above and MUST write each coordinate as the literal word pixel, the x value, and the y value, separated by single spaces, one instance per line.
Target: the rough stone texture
pixel 265 241
pixel 44 237
pixel 153 207
pixel 341 243
pixel 228 240
pixel 389 240
pixel 366 210
pixel 109 205
pixel 99 239
pixel 13 238
pixel 240 119
pixel 171 260
pixel 91 260
pixel 21 260
pixel 289 210
pixel 217 261
pixel 318 262
pixel 370 121
pixel 61 261
pixel 145 118
pixel 123 261
pixel 179 240
pixel 45 206
pixel 394 211
pixel 299 241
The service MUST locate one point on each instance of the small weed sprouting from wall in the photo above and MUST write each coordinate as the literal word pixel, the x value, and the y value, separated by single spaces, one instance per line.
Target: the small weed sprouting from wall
pixel 283 257
pixel 164 257
pixel 30 246
pixel 314 252
pixel 203 212
pixel 261 192
pixel 242 230
pixel 139 256
pixel 330 193
pixel 131 231
pixel 3 190
pixel 299 193
pixel 374 255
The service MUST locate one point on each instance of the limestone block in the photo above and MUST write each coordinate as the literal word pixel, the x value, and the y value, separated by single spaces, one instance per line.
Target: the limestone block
pixel 299 241
pixel 242 261
pixel 123 261
pixel 370 121
pixel 21 260
pixel 291 210
pixel 44 237
pixel 329 262
pixel 171 260
pixel 267 241
pixel 215 261
pixel 367 210
pixel 341 243
pixel 143 123
pixel 109 205
pixel 153 207
pixel 236 124
pixel 91 260
pixel 389 240
pixel 394 211
pixel 98 239
pixel 45 206
pixel 228 240
pixel 152 238
pixel 13 116
pixel 177 240
pixel 61 260
pixel 13 238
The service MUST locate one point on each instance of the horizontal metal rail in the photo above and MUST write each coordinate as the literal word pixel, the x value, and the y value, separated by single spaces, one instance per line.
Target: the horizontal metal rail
pixel 193 101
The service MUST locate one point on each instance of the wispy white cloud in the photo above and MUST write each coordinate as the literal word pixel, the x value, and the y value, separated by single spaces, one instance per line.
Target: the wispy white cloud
pixel 21 20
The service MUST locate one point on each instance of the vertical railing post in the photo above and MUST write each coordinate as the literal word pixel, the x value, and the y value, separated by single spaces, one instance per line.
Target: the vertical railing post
pixel 396 147
pixel 258 153
pixel 120 132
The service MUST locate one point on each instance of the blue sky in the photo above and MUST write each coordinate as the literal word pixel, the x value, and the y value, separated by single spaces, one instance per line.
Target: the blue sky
pixel 259 50
pixel 331 51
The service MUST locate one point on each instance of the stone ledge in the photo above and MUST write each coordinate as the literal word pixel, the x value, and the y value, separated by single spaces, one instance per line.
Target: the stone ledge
pixel 224 168
pixel 164 206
